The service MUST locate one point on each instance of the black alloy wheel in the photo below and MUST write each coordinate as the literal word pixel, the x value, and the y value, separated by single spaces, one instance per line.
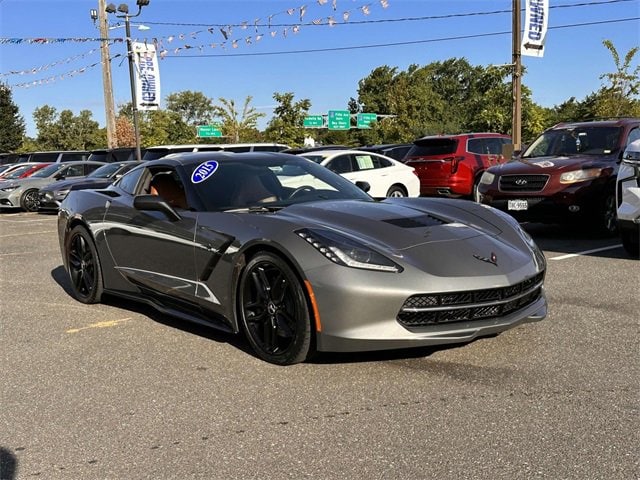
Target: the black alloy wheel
pixel 83 266
pixel 273 311
pixel 29 200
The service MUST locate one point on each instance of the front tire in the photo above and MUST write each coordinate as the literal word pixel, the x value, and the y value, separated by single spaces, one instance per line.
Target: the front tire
pixel 607 215
pixel 273 311
pixel 29 201
pixel 83 266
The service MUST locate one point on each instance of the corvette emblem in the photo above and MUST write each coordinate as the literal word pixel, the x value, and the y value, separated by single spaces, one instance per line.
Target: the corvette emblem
pixel 493 259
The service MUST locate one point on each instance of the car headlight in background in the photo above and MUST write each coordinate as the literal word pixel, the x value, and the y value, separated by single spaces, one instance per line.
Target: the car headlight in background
pixel 347 252
pixel 580 175
pixel 487 178
pixel 10 188
pixel 61 194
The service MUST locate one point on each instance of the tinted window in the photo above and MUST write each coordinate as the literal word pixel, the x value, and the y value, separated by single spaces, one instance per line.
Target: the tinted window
pixel 73 171
pixel 129 181
pixel 237 149
pixel 155 153
pixel 44 157
pixel 583 140
pixel 99 157
pixel 340 164
pixel 633 135
pixel 90 167
pixel 433 146
pixel 74 157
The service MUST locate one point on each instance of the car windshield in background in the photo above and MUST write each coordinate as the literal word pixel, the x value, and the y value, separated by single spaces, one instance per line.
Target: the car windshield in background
pixel 302 181
pixel 434 146
pixel 313 158
pixel 575 141
pixel 17 172
pixel 106 171
pixel 48 171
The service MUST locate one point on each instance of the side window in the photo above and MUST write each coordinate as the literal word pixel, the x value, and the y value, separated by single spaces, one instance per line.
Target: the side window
pixel 494 146
pixel 129 181
pixel 73 157
pixel 477 145
pixel 340 164
pixel 165 182
pixel 74 171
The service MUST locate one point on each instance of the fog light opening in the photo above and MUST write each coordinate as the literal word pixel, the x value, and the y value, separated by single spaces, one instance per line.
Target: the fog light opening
pixel 574 208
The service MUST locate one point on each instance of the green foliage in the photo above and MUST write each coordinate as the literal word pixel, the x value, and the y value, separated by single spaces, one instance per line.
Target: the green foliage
pixel 286 125
pixel 11 122
pixel 194 108
pixel 237 126
pixel 65 131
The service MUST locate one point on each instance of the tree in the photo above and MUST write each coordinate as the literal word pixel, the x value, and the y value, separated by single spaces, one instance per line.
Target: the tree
pixel 286 126
pixel 236 125
pixel 619 96
pixel 65 131
pixel 194 108
pixel 11 122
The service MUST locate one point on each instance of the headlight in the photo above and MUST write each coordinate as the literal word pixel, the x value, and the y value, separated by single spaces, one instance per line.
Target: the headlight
pixel 349 253
pixel 487 178
pixel 580 175
pixel 10 188
pixel 61 194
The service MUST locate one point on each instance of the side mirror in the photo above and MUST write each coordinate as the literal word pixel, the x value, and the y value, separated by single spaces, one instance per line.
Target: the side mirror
pixel 364 186
pixel 157 204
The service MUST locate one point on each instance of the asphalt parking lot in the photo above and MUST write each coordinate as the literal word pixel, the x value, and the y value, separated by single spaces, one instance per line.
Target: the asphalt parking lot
pixel 119 391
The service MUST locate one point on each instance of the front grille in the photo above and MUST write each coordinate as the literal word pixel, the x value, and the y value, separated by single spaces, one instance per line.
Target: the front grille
pixel 437 308
pixel 523 183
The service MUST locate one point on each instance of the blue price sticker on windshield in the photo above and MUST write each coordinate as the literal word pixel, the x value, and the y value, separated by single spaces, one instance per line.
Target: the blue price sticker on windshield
pixel 204 171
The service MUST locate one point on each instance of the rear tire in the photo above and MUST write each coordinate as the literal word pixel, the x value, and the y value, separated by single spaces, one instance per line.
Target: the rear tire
pixel 396 191
pixel 83 266
pixel 273 311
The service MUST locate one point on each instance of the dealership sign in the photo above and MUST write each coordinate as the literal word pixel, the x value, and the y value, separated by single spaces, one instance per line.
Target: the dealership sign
pixel 535 28
pixel 148 76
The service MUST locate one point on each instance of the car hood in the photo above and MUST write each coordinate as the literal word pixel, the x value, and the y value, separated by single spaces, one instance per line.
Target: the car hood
pixel 395 225
pixel 551 164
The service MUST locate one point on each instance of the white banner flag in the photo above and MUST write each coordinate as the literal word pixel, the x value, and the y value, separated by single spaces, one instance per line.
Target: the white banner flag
pixel 535 28
pixel 147 76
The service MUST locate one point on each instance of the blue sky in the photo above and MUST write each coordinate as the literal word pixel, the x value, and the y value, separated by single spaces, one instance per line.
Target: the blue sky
pixel 405 32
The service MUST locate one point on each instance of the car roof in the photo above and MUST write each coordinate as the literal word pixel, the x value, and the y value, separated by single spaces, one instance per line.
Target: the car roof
pixel 599 122
pixel 461 135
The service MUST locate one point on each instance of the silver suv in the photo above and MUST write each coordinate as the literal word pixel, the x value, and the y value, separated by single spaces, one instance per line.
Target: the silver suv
pixel 628 199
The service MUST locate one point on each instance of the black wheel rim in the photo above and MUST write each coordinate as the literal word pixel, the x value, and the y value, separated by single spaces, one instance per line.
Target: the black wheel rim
pixel 82 266
pixel 31 201
pixel 270 308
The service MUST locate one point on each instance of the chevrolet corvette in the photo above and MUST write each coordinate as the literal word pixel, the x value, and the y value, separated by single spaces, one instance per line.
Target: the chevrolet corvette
pixel 297 258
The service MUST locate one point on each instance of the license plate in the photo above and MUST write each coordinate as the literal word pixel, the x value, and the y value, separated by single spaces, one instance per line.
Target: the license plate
pixel 517 205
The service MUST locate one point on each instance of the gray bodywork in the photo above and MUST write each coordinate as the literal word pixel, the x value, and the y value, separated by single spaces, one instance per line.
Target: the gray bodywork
pixel 188 265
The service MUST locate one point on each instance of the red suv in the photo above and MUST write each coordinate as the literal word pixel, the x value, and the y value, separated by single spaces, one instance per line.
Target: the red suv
pixel 568 174
pixel 451 165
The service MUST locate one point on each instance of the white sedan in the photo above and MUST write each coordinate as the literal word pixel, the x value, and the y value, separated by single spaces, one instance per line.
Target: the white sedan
pixel 387 177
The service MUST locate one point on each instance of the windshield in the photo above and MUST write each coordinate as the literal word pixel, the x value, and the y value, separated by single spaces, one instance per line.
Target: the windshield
pixel 269 183
pixel 17 172
pixel 48 171
pixel 313 157
pixel 106 171
pixel 589 140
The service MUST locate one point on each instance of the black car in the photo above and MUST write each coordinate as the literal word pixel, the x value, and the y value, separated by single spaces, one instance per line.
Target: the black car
pixel 397 151
pixel 51 196
pixel 567 175
pixel 110 155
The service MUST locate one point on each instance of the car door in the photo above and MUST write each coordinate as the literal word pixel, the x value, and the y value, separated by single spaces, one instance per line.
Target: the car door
pixel 151 249
pixel 373 170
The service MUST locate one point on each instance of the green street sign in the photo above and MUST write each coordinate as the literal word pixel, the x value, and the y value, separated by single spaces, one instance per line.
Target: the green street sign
pixel 339 120
pixel 313 121
pixel 364 119
pixel 208 131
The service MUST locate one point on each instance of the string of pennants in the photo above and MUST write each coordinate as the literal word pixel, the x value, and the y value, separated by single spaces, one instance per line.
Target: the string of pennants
pixel 226 40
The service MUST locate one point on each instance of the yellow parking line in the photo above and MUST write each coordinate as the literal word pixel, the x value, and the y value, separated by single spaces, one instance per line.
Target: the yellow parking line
pixel 107 324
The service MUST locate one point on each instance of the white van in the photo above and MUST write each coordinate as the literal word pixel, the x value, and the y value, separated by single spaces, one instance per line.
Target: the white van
pixel 161 150
pixel 628 199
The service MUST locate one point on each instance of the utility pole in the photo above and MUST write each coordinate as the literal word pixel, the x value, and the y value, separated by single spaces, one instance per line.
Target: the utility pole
pixel 107 84
pixel 516 79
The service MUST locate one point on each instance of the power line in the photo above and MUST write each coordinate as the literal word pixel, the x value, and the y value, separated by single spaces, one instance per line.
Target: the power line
pixel 395 44
pixel 391 20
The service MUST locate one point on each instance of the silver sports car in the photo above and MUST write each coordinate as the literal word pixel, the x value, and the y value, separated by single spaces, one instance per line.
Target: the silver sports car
pixel 299 258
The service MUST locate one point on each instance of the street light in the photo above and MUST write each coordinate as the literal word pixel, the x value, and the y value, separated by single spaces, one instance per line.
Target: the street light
pixel 124 9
